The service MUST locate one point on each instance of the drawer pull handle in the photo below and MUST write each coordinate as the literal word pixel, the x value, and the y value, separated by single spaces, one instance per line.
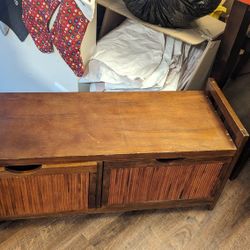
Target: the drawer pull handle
pixel 169 160
pixel 22 169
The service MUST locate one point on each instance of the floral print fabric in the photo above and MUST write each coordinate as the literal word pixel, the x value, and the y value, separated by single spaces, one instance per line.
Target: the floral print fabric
pixel 36 16
pixel 66 34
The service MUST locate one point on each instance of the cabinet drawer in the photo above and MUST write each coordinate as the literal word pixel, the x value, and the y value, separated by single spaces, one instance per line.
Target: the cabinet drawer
pixel 127 183
pixel 46 189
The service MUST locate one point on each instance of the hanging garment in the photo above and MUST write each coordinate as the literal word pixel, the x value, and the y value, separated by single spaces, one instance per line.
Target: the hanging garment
pixel 11 15
pixel 67 34
pixel 36 16
pixel 4 28
pixel 67 31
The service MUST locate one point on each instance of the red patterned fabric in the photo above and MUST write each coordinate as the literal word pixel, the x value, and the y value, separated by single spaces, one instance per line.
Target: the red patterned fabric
pixel 36 17
pixel 67 34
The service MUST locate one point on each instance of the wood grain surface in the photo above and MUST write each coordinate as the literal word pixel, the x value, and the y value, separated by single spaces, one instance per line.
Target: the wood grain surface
pixel 44 194
pixel 226 227
pixel 131 185
pixel 40 128
pixel 230 119
pixel 232 123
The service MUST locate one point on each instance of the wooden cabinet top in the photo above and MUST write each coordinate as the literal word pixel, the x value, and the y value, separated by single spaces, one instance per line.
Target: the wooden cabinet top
pixel 42 127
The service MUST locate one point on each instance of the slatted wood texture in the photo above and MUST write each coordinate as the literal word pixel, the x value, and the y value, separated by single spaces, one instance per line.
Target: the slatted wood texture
pixel 41 194
pixel 152 184
pixel 227 227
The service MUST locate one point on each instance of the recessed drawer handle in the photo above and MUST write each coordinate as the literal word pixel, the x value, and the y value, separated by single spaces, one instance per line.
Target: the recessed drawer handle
pixel 169 160
pixel 22 169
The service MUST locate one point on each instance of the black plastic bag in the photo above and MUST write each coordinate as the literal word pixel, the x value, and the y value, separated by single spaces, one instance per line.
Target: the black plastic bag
pixel 171 13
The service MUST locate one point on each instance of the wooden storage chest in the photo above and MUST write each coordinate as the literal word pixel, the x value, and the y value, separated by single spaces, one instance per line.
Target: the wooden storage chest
pixel 98 152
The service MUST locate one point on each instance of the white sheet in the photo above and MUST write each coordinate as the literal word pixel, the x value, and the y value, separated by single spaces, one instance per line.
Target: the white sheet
pixel 122 56
pixel 136 58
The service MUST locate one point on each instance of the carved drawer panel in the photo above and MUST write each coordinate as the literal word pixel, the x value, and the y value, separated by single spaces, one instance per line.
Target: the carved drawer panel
pixel 47 189
pixel 134 182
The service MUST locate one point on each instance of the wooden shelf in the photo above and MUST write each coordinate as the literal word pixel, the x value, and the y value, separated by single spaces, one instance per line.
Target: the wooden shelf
pixel 205 28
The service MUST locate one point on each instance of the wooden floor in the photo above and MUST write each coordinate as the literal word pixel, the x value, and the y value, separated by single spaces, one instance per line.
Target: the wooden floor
pixel 226 227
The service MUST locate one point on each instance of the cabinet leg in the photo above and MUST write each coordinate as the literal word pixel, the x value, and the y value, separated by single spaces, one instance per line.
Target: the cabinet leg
pixel 211 206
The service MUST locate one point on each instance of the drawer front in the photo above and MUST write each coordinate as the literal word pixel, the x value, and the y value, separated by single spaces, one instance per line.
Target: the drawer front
pixel 130 183
pixel 47 189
